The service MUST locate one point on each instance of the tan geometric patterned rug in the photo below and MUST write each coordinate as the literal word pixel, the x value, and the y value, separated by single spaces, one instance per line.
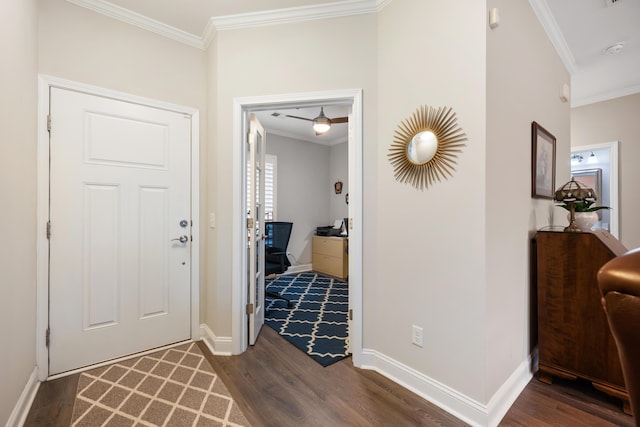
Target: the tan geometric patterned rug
pixel 174 387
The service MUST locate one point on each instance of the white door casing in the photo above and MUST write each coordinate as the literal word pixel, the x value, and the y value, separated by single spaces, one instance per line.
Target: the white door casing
pixel 120 185
pixel 256 145
pixel 242 107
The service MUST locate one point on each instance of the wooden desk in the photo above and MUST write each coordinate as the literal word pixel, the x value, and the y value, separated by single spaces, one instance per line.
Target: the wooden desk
pixel 329 256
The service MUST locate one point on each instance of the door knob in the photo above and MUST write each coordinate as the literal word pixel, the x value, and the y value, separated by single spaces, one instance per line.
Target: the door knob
pixel 181 239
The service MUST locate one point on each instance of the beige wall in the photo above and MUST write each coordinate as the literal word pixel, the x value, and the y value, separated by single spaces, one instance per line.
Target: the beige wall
pixel 428 266
pixel 80 45
pixel 17 199
pixel 524 77
pixel 616 120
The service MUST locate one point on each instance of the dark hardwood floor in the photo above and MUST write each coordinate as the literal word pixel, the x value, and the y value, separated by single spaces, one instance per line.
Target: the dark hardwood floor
pixel 276 384
pixel 53 404
pixel 565 403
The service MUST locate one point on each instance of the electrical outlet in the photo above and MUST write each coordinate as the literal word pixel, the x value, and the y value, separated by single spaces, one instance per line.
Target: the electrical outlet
pixel 416 335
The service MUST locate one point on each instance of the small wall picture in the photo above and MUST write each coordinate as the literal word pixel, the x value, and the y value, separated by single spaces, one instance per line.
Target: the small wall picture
pixel 543 162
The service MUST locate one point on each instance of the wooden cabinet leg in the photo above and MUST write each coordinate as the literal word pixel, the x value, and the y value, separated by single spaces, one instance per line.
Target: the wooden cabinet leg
pixel 545 378
pixel 619 394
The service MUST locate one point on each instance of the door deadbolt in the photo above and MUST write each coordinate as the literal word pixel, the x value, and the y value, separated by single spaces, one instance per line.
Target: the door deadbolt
pixel 184 223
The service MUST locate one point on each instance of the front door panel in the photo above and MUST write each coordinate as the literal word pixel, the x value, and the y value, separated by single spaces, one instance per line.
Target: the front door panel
pixel 119 257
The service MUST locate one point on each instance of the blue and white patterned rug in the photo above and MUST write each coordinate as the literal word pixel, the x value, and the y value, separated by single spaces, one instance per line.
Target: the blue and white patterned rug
pixel 317 322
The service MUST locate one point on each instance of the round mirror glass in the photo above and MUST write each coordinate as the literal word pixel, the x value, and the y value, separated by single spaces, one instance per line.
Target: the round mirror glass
pixel 422 147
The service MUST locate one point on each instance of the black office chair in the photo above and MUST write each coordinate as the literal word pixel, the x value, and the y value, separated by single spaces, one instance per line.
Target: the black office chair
pixel 277 236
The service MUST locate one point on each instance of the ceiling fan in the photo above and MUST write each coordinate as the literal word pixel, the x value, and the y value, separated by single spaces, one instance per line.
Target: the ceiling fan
pixel 322 123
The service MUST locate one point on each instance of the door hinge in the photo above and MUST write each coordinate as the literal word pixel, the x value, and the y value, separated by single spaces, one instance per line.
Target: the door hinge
pixel 47 337
pixel 351 314
pixel 48 230
pixel 249 222
pixel 49 122
pixel 250 308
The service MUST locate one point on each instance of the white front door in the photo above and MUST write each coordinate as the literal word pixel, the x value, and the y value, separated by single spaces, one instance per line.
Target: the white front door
pixel 255 226
pixel 120 194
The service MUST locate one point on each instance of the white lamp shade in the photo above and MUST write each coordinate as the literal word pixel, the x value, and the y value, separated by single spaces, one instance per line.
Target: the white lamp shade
pixel 321 125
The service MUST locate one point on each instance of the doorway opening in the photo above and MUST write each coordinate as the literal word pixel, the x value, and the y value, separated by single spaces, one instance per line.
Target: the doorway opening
pixel 597 166
pixel 243 108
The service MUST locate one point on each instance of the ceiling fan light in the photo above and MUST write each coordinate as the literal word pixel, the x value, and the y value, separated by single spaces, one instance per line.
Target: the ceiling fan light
pixel 321 124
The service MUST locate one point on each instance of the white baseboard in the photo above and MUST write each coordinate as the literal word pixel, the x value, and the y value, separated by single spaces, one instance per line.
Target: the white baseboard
pixel 220 346
pixel 502 400
pixel 298 268
pixel 21 410
pixel 463 407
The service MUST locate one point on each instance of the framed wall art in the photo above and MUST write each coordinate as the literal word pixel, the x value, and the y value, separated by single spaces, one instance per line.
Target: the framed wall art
pixel 543 162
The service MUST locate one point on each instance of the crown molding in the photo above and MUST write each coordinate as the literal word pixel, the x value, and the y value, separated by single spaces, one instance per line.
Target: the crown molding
pixel 209 33
pixel 295 14
pixel 232 22
pixel 133 18
pixel 605 96
pixel 542 11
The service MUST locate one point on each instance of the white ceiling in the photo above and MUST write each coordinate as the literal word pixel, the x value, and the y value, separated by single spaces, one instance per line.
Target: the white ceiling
pixel 302 129
pixel 580 30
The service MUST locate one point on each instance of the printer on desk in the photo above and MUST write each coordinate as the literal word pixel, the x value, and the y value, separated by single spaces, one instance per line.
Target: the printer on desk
pixel 338 229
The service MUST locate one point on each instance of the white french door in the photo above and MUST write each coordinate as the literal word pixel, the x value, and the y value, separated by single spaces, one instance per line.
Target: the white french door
pixel 120 215
pixel 255 226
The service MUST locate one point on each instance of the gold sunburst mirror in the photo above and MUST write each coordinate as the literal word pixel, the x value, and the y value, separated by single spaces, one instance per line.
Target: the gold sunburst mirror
pixel 425 145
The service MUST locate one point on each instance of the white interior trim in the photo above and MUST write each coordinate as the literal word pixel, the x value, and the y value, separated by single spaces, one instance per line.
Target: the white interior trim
pixel 294 269
pixel 507 394
pixel 542 11
pixel 22 407
pixel 219 346
pixel 133 18
pixel 232 22
pixel 614 191
pixel 605 96
pixel 42 254
pixel 466 409
pixel 241 108
pixel 295 14
pixel 461 406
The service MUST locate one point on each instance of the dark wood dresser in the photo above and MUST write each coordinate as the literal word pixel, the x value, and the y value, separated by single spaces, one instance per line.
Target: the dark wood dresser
pixel 574 340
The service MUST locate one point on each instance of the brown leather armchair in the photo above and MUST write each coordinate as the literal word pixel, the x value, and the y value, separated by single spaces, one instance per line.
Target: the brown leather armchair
pixel 619 282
